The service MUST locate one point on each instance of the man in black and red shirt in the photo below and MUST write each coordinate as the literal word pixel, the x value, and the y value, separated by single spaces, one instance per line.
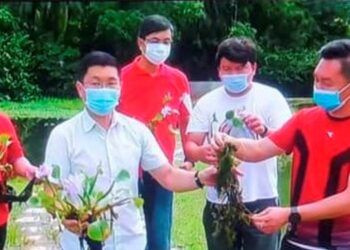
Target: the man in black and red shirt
pixel 319 138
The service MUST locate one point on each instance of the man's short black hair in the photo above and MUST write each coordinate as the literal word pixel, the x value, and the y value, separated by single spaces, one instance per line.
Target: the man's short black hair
pixel 95 58
pixel 237 49
pixel 339 50
pixel 154 23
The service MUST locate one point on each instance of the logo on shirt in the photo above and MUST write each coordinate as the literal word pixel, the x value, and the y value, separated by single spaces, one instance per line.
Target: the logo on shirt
pixel 330 134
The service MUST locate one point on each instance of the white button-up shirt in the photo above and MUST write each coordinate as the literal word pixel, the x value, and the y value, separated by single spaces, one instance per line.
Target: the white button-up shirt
pixel 80 144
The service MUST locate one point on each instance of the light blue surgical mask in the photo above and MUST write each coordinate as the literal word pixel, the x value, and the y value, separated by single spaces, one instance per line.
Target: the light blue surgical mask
pixel 157 53
pixel 235 83
pixel 102 101
pixel 330 100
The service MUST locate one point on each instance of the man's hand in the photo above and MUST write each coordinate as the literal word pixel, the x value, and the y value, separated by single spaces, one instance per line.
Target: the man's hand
pixel 255 124
pixel 271 219
pixel 30 172
pixel 207 154
pixel 208 176
pixel 75 226
pixel 187 165
pixel 220 140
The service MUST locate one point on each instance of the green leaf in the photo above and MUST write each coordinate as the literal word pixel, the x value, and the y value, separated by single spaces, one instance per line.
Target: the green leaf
pixel 123 175
pixel 138 202
pixel 99 230
pixel 34 201
pixel 238 123
pixel 56 172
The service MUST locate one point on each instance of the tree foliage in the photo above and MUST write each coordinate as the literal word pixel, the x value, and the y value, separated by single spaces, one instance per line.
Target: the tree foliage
pixel 43 40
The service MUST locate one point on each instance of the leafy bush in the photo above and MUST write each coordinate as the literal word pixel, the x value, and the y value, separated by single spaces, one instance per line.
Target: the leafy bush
pixel 16 72
pixel 290 68
pixel 55 68
pixel 8 22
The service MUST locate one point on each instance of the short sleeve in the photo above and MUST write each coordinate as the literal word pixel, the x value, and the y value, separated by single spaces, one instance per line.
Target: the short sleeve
pixel 15 150
pixel 152 156
pixel 199 122
pixel 284 137
pixel 278 111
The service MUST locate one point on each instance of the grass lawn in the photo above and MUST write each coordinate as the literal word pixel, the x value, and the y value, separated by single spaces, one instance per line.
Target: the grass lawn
pixel 43 108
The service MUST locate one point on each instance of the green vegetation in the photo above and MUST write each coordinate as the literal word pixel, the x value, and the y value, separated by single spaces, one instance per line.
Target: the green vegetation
pixel 40 42
pixel 42 108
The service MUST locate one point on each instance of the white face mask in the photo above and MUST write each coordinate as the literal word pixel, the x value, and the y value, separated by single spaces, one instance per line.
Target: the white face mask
pixel 157 53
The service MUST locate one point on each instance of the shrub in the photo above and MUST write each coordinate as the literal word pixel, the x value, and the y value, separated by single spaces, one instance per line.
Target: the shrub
pixel 16 74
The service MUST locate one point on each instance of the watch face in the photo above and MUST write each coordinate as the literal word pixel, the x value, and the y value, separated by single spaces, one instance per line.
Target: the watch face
pixel 294 218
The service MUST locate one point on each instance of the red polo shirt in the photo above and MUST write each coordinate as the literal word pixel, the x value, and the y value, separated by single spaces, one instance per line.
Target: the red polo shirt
pixel 13 152
pixel 161 101
pixel 321 168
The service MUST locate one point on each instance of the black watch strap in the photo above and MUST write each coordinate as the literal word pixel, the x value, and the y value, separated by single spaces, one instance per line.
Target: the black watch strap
pixel 197 180
pixel 264 133
pixel 294 217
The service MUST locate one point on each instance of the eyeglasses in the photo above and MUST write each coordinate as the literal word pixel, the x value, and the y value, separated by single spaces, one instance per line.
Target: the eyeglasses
pixel 99 85
pixel 156 40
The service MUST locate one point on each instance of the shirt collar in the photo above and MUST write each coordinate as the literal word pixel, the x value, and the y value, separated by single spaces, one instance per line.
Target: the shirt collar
pixel 89 123
pixel 135 65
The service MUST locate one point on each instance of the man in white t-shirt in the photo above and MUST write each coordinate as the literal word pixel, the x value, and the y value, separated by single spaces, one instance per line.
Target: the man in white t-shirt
pixel 100 136
pixel 246 109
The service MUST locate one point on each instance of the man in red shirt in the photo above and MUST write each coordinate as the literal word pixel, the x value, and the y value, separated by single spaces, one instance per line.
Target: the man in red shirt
pixel 13 155
pixel 157 95
pixel 318 137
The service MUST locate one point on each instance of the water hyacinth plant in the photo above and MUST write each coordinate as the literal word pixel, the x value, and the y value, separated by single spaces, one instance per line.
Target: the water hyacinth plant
pixel 228 216
pixel 87 198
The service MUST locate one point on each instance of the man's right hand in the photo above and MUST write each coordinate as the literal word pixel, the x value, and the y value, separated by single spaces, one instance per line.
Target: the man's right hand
pixel 75 226
pixel 220 140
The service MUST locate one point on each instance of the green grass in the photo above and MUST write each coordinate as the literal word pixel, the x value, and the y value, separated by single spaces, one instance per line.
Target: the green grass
pixel 42 108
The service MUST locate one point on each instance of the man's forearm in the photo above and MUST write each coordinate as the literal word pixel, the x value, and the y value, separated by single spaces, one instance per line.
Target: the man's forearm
pixel 254 150
pixel 24 168
pixel 332 207
pixel 179 180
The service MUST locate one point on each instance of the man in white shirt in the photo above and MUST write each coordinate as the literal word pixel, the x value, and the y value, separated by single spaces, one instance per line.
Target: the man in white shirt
pixel 100 136
pixel 240 108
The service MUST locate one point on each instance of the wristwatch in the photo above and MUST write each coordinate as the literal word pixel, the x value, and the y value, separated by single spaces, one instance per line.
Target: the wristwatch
pixel 197 180
pixel 294 216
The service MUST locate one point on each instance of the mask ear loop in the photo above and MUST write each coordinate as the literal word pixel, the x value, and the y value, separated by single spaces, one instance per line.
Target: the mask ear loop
pixel 343 102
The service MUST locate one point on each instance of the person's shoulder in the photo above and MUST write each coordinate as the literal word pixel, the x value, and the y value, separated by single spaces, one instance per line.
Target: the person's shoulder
pixel 67 126
pixel 131 123
pixel 127 69
pixel 266 89
pixel 213 95
pixel 4 118
pixel 175 72
pixel 311 111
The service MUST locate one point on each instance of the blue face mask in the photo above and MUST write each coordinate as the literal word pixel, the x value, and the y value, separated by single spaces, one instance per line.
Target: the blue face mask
pixel 102 101
pixel 327 99
pixel 235 83
pixel 157 53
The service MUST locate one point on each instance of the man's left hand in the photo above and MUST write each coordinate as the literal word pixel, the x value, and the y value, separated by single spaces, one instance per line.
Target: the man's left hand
pixel 271 219
pixel 255 124
pixel 208 176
